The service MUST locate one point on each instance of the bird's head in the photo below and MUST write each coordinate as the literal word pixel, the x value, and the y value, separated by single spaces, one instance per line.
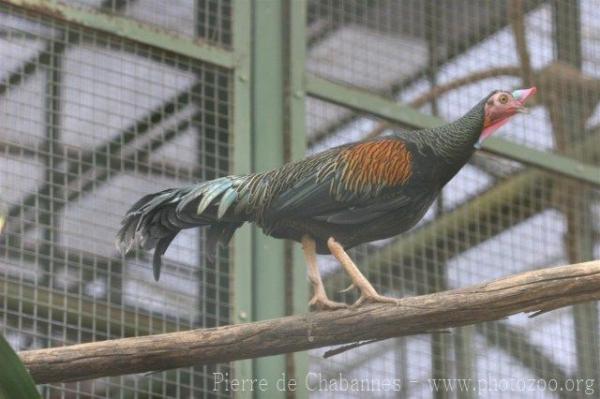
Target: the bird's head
pixel 499 107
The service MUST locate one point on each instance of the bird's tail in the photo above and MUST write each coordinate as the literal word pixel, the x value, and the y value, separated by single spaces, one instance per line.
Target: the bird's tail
pixel 155 220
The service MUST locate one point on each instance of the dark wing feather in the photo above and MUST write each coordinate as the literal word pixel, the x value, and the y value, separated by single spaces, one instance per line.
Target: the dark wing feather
pixel 355 184
pixel 366 213
pixel 309 197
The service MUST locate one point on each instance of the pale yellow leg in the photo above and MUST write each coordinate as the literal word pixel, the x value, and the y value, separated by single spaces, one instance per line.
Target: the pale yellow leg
pixel 367 292
pixel 319 299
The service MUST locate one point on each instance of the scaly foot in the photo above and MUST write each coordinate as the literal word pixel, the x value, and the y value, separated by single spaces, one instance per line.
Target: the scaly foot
pixel 321 302
pixel 374 298
pixel 359 281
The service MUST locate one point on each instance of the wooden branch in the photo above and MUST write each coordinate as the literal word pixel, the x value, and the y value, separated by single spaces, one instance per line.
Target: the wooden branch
pixel 535 291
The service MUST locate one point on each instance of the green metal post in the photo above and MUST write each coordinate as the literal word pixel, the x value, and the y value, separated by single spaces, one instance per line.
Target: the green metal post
pixel 437 279
pixel 48 217
pixel 243 265
pixel 569 124
pixel 294 52
pixel 268 120
pixel 268 260
pixel 268 131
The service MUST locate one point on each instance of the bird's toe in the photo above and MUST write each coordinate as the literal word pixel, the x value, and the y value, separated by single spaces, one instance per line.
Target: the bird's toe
pixel 347 289
pixel 321 303
pixel 374 298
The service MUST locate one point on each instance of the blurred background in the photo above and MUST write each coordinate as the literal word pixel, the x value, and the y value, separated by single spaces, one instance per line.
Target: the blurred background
pixel 102 102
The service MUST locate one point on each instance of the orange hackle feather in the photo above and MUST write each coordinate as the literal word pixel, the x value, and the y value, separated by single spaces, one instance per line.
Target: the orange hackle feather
pixel 383 162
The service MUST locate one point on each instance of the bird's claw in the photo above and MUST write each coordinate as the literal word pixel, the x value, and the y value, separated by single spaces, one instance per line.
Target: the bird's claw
pixel 323 303
pixel 374 298
pixel 351 286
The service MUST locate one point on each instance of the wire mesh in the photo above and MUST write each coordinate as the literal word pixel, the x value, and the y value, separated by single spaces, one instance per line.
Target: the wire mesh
pixel 89 124
pixel 496 217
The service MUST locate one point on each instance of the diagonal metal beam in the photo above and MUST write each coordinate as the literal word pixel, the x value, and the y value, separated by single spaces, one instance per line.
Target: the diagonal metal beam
pixel 104 169
pixel 151 168
pixel 30 67
pixel 18 149
pixel 361 100
pixel 85 313
pixel 502 335
pixel 53 46
pixel 106 154
pixel 515 343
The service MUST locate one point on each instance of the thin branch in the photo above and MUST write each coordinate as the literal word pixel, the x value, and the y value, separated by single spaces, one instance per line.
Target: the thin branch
pixel 544 289
pixel 516 14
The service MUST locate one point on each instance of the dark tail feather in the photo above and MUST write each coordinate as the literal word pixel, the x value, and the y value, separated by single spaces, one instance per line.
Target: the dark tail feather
pixel 155 219
pixel 159 251
pixel 218 233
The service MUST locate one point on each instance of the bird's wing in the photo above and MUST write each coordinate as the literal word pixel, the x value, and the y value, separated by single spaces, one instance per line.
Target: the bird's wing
pixel 363 214
pixel 353 185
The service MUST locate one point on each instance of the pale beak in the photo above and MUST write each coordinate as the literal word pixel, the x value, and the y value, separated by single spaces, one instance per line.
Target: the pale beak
pixel 521 96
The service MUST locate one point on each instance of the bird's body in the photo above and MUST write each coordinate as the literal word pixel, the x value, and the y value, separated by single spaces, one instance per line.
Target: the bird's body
pixel 358 192
pixel 392 194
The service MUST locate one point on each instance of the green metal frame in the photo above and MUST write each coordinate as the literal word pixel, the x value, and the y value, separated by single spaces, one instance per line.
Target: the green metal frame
pixel 268 256
pixel 296 143
pixel 242 162
pixel 126 28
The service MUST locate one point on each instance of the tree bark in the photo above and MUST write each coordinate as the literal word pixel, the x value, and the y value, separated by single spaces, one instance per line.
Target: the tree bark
pixel 535 291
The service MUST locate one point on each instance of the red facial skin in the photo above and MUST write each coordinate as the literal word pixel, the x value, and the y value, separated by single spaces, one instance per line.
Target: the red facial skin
pixel 501 107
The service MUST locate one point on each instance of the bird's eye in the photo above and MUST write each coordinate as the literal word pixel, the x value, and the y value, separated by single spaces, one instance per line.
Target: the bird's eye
pixel 503 99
